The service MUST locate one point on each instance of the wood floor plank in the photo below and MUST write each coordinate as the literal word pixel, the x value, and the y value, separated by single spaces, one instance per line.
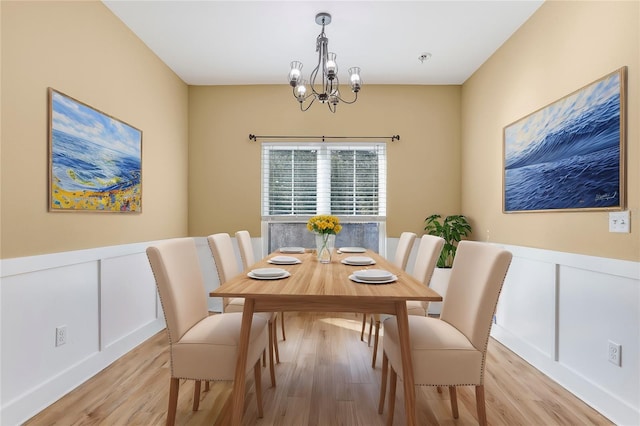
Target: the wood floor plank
pixel 324 378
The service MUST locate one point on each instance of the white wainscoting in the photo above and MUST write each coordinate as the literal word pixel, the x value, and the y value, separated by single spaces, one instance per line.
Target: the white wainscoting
pixel 107 299
pixel 557 311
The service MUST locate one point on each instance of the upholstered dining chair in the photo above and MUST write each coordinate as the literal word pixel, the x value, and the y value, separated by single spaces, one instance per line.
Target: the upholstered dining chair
pixel 426 259
pixel 401 257
pixel 405 243
pixel 227 268
pixel 248 258
pixel 451 350
pixel 202 347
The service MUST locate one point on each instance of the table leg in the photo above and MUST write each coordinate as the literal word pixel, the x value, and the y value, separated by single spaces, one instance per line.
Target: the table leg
pixel 237 407
pixel 407 365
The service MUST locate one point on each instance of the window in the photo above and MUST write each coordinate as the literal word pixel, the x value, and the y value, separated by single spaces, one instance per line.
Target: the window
pixel 302 180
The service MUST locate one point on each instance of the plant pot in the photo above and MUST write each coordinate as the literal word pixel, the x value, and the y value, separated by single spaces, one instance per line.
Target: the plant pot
pixel 324 247
pixel 439 283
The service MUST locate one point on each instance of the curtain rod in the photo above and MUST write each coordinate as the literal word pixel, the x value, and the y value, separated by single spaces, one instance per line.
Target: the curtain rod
pixel 323 138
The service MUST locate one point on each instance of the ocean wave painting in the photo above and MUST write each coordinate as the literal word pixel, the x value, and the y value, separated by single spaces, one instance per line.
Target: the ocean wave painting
pixel 568 155
pixel 95 159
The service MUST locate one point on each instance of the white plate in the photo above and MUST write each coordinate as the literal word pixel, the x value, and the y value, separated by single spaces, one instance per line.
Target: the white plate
pixel 284 260
pixel 291 249
pixel 373 275
pixel 352 249
pixel 387 281
pixel 358 260
pixel 256 277
pixel 268 272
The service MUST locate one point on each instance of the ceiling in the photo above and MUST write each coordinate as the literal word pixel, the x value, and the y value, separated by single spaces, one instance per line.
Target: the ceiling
pixel 253 42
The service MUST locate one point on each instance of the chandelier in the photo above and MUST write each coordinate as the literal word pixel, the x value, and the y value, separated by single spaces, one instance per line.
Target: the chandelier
pixel 324 83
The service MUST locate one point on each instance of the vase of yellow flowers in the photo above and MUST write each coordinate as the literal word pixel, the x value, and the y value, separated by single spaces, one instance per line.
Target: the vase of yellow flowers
pixel 325 227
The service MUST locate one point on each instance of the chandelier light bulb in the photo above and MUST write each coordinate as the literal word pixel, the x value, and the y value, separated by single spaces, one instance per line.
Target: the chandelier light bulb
pixel 301 91
pixel 295 74
pixel 332 67
pixel 354 77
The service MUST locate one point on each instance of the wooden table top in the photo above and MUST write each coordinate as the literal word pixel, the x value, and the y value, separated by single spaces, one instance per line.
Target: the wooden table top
pixel 318 287
pixel 311 280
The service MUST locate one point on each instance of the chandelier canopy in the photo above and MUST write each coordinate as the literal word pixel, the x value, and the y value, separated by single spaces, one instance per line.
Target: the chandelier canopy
pixel 323 81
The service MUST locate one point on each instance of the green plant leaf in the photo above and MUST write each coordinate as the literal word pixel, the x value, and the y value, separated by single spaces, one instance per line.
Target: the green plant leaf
pixel 453 228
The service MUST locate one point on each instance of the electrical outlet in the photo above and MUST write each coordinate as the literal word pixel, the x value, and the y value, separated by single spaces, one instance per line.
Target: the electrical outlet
pixel 614 353
pixel 61 335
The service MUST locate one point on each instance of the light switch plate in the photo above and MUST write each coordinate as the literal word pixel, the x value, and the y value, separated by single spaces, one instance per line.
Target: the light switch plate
pixel 619 222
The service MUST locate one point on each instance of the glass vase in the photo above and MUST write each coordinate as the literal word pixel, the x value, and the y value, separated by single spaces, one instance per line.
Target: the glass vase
pixel 324 247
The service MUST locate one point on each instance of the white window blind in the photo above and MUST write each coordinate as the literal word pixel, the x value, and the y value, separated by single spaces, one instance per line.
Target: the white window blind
pixel 347 180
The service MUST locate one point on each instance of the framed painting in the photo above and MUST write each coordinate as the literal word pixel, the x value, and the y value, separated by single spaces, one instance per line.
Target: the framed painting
pixel 95 160
pixel 569 155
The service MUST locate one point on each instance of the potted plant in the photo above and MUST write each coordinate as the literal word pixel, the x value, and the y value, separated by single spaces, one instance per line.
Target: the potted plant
pixel 452 229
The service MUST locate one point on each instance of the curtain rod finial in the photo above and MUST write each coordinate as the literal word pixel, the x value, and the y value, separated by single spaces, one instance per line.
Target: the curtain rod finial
pixel 252 137
pixel 395 138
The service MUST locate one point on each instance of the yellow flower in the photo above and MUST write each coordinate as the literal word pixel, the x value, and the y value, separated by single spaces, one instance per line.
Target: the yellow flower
pixel 324 224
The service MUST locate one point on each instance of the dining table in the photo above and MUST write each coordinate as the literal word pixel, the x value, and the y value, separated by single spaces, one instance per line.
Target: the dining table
pixel 312 286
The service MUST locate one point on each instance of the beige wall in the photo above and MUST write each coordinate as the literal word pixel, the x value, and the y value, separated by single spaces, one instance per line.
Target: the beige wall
pixel 451 137
pixel 84 51
pixel 224 177
pixel 564 46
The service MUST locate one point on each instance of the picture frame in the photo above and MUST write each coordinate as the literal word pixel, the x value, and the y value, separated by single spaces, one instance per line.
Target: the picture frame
pixel 570 154
pixel 95 160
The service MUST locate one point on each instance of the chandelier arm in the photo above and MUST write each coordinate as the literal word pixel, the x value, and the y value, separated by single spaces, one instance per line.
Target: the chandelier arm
pixel 308 106
pixel 312 79
pixel 326 83
pixel 349 102
pixel 321 47
pixel 330 88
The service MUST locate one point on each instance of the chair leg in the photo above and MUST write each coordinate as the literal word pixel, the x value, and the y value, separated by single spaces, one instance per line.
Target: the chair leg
pixel 282 325
pixel 271 367
pixel 258 379
pixel 173 401
pixel 364 324
pixel 375 345
pixel 480 406
pixel 370 330
pixel 196 395
pixel 393 378
pixel 454 401
pixel 383 382
pixel 275 342
pixel 264 358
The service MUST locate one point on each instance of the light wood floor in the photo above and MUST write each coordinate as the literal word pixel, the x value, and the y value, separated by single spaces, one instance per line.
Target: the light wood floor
pixel 324 378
